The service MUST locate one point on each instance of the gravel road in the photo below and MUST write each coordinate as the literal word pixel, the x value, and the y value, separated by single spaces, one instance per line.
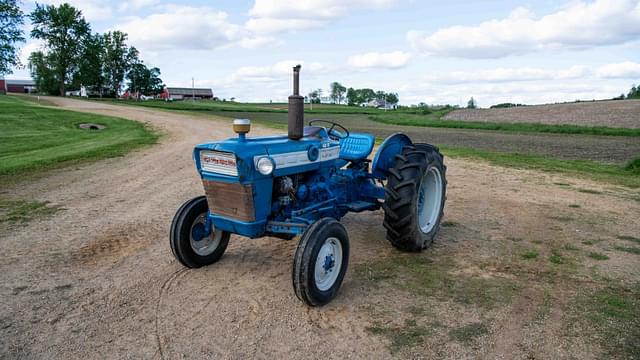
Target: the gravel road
pixel 97 280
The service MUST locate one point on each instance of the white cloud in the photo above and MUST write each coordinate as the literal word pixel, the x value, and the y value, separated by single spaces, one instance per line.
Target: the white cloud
pixel 579 25
pixel 185 27
pixel 279 71
pixel 623 70
pixel 390 60
pixel 28 48
pixel 271 16
pixel 130 5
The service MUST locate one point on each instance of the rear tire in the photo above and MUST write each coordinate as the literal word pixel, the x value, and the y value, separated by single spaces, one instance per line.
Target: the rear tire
pixel 414 197
pixel 320 262
pixel 188 247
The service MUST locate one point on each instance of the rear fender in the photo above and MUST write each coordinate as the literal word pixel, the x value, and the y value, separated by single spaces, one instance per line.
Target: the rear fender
pixel 385 156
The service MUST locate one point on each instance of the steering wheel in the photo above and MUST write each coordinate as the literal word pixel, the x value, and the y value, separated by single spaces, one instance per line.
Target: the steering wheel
pixel 332 132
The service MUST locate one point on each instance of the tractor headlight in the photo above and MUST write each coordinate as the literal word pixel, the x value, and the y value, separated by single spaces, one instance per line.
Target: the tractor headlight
pixel 265 165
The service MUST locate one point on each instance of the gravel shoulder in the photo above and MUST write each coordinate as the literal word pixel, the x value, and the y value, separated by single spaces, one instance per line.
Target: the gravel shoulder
pixel 97 280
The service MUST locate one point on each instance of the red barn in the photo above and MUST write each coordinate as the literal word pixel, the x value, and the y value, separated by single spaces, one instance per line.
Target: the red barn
pixel 21 86
pixel 3 86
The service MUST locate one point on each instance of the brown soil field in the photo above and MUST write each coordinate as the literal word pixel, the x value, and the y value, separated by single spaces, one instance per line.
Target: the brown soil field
pixel 512 274
pixel 593 113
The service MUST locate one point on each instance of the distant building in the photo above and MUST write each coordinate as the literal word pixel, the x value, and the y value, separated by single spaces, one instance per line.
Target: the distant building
pixel 3 86
pixel 175 93
pixel 380 104
pixel 21 86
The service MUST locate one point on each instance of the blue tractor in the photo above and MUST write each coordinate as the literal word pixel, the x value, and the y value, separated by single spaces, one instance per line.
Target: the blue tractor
pixel 303 183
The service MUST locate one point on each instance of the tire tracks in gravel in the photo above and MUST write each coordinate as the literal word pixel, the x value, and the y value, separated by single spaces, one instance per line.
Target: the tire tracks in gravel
pixel 163 289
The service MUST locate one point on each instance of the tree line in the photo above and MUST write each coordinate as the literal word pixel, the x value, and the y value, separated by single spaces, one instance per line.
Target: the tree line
pixel 338 93
pixel 73 56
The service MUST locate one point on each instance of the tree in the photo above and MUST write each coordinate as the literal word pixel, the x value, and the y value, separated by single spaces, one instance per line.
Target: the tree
pixel 392 98
pixel 315 96
pixel 471 104
pixel 353 97
pixel 337 92
pixel 634 93
pixel 144 80
pixel 46 79
pixel 11 18
pixel 91 65
pixel 119 58
pixel 63 30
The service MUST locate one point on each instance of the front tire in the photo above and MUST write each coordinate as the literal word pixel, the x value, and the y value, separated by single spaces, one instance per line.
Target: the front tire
pixel 320 262
pixel 190 244
pixel 415 196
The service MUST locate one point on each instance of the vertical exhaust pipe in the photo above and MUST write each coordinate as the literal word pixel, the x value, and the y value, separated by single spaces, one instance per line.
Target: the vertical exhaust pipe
pixel 296 108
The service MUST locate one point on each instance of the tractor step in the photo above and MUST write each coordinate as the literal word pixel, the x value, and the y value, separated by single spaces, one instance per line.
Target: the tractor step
pixel 360 205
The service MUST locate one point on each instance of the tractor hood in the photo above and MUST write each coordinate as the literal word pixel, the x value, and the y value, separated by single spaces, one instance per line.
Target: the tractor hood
pixel 289 156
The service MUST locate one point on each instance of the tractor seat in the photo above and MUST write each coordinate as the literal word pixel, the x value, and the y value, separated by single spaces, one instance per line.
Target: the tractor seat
pixel 356 146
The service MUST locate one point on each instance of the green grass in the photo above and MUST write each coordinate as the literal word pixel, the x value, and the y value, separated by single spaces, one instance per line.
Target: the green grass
pixel 630 250
pixel 22 211
pixel 469 333
pixel 598 256
pixel 35 138
pixel 529 254
pixel 629 238
pixel 614 314
pixel 557 258
pixel 575 206
pixel 425 277
pixel 582 168
pixel 435 120
pixel 409 335
pixel 633 166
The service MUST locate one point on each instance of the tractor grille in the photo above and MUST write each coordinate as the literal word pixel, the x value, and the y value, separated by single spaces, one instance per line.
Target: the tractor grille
pixel 230 199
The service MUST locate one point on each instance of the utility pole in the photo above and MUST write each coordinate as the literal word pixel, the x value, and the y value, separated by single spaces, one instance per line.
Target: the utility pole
pixel 193 90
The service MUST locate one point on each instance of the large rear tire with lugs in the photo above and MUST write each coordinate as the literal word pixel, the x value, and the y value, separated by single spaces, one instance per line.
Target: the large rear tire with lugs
pixel 415 197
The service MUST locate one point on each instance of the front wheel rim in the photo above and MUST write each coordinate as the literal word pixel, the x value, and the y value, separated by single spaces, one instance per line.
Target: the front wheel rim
pixel 206 245
pixel 429 199
pixel 328 264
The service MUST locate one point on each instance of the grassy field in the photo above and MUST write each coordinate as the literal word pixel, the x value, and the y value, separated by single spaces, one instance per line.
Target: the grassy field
pixel 408 117
pixel 35 138
pixel 274 116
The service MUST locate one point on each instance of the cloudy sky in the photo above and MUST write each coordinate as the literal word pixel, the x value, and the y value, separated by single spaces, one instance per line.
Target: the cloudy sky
pixel 427 51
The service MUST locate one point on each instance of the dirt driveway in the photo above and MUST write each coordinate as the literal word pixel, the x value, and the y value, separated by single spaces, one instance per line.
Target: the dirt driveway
pixel 98 280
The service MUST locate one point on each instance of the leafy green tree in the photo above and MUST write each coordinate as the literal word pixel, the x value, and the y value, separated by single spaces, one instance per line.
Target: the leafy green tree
pixel 353 97
pixel 91 72
pixel 634 93
pixel 471 104
pixel 46 78
pixel 63 29
pixel 144 80
pixel 118 59
pixel 315 96
pixel 392 98
pixel 367 95
pixel 337 92
pixel 11 18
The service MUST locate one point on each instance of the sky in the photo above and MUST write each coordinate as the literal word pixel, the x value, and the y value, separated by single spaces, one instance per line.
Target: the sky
pixel 436 52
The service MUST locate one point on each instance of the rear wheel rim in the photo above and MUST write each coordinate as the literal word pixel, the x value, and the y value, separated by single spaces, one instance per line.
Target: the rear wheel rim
pixel 429 199
pixel 208 244
pixel 328 264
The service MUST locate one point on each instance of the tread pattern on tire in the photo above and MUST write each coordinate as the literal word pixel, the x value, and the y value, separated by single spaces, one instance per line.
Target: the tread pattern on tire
pixel 178 237
pixel 400 219
pixel 304 261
